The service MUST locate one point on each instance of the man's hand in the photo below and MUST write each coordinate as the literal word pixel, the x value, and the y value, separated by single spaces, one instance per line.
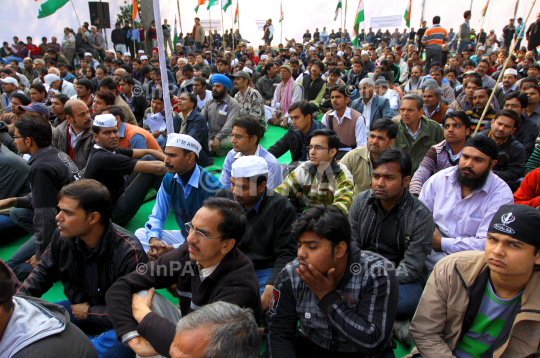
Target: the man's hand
pixel 275 119
pixel 437 239
pixel 318 283
pixel 80 311
pixel 156 133
pixel 161 249
pixel 153 252
pixel 266 296
pixel 142 347
pixel 141 305
pixel 32 261
pixel 215 145
pixel 8 203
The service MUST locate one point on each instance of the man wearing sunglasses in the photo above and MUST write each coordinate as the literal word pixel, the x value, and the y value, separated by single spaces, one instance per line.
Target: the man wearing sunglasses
pixel 207 268
pixel 184 189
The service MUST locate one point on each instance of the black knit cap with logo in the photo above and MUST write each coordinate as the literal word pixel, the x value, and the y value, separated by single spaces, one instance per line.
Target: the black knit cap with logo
pixel 521 222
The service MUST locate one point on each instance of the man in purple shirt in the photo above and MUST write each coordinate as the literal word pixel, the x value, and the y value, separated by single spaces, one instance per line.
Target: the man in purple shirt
pixel 464 198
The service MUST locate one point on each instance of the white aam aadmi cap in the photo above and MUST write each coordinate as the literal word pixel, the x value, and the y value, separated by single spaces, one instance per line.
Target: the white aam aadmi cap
pixel 183 141
pixel 249 166
pixel 105 120
pixel 144 57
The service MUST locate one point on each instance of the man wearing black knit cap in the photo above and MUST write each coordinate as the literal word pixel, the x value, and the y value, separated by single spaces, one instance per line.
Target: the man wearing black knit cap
pixel 464 198
pixel 486 304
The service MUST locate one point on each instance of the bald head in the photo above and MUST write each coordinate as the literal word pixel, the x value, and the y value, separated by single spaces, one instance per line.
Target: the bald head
pixel 77 115
pixel 121 72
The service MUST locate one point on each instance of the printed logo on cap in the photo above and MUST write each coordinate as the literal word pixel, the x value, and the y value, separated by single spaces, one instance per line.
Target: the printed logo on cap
pixel 506 219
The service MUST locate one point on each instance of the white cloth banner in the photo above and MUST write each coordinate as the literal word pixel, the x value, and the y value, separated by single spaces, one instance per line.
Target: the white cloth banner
pixel 216 25
pixel 386 21
pixel 260 24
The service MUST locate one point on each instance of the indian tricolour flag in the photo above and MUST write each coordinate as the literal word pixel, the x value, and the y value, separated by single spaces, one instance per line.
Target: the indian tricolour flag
pixel 199 3
pixel 359 19
pixel 339 6
pixel 407 15
pixel 484 10
pixel 49 7
pixel 135 13
pixel 236 14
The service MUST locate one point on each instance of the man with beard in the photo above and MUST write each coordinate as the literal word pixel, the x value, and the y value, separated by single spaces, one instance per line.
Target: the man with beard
pixel 220 112
pixel 184 189
pixel 74 135
pixel 480 100
pixel 508 85
pixel 415 81
pixel 511 159
pixel 464 198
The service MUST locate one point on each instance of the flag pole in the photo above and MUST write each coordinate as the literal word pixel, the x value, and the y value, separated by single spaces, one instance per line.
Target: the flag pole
pixel 341 32
pixel 345 21
pixel 502 72
pixel 280 20
pixel 221 11
pixel 179 17
pixel 232 24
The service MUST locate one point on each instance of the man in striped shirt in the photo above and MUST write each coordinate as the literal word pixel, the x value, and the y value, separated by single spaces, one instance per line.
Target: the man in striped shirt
pixel 434 38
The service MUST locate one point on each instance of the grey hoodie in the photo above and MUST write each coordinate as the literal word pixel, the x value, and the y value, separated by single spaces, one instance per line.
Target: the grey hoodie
pixel 38 328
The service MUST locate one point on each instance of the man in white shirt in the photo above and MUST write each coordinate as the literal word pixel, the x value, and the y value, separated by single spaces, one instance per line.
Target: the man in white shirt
pixel 382 88
pixel 199 89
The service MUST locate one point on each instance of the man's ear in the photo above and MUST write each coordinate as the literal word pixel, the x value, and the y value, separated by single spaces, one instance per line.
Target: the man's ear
pixel 228 245
pixel 333 152
pixel 340 249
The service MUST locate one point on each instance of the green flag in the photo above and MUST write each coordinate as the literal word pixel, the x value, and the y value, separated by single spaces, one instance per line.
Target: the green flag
pixel 211 3
pixel 359 19
pixel 48 8
pixel 196 8
pixel 229 3
pixel 339 6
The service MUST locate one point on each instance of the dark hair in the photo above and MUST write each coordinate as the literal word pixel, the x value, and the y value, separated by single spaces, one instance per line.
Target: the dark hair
pixel 468 63
pixel 536 88
pixel 51 62
pixel 303 106
pixel 526 79
pixel 268 66
pixel 487 89
pixel 187 68
pixel 32 125
pixel 484 61
pixel 7 71
pixel 60 64
pixel 39 87
pixel 86 83
pixel 233 223
pixel 92 197
pixel 251 125
pixel 62 97
pixel 474 80
pixel 201 80
pixel 340 89
pixel 325 221
pixel 108 83
pixel 436 20
pixel 510 114
pixel 43 71
pixel 106 96
pixel 223 61
pixel 384 75
pixel 192 98
pixel 333 139
pixel 136 60
pixel 450 69
pixel 466 14
pixel 25 100
pixel 461 115
pixel 145 70
pixel 115 111
pixel 437 68
pixel 128 80
pixel 7 285
pixel 394 155
pixel 334 70
pixel 385 124
pixel 521 97
pixel 319 64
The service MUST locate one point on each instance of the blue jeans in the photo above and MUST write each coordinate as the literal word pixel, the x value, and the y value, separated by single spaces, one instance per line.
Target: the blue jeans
pixel 24 218
pixel 106 344
pixel 462 46
pixel 197 45
pixel 6 222
pixel 262 276
pixel 409 296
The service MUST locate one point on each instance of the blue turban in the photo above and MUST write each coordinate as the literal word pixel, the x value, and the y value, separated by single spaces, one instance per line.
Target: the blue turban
pixel 224 80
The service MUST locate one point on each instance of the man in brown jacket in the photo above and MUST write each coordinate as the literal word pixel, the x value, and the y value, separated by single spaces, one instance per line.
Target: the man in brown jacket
pixel 485 304
pixel 198 33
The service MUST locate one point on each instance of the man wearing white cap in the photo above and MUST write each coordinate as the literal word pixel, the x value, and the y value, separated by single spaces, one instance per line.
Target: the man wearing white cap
pixel 269 220
pixel 507 85
pixel 57 85
pixel 108 164
pixel 10 86
pixel 184 189
pixel 246 135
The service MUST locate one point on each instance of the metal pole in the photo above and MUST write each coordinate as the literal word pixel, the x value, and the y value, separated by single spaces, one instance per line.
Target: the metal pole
pixel 77 16
pixel 478 37
pixel 221 11
pixel 471 5
pixel 501 74
pixel 179 17
pixel 232 26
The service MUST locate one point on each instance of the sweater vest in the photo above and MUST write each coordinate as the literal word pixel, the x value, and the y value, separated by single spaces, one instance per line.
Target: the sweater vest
pixel 437 117
pixel 131 130
pixel 346 131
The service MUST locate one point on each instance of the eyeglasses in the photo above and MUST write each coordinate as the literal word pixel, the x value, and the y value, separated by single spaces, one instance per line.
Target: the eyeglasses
pixel 238 136
pixel 17 136
pixel 199 235
pixel 317 147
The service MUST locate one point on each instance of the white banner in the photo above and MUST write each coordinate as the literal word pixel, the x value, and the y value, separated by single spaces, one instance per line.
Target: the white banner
pixel 260 24
pixel 386 21
pixel 216 25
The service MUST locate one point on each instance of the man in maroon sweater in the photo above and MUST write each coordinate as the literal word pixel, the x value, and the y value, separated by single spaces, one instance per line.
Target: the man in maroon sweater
pixel 207 268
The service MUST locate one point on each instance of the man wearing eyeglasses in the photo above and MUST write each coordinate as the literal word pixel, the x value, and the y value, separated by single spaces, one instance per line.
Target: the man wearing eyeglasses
pixel 321 180
pixel 184 189
pixel 207 268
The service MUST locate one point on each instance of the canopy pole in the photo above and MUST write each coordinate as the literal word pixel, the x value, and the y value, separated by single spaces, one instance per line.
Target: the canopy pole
pixel 179 17
pixel 502 73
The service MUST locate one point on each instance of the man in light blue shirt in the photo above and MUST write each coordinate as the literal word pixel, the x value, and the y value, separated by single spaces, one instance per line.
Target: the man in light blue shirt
pixel 184 189
pixel 246 135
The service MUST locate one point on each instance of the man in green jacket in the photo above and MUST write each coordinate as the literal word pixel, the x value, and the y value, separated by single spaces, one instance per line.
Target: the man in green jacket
pixel 416 132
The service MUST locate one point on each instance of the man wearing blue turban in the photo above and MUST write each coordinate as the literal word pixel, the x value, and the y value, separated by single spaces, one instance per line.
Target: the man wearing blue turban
pixel 220 112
